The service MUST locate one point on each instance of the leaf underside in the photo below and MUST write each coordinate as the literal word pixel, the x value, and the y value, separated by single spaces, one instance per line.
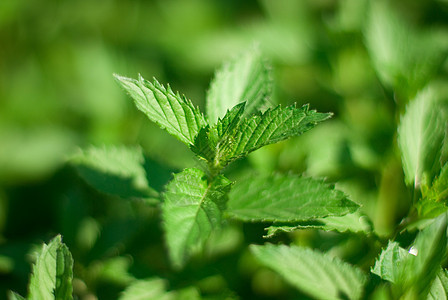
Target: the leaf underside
pixel 315 273
pixel 286 198
pixel 192 208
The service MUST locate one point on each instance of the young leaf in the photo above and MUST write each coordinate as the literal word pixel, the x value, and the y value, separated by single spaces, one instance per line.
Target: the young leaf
pixel 286 198
pixel 420 137
pixel 235 136
pixel 161 105
pixel 114 170
pixel 387 266
pixel 192 208
pixel 317 274
pixel 52 273
pixel 354 222
pixel 246 78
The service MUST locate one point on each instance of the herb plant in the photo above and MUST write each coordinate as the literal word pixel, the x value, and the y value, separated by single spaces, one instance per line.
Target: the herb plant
pixel 197 204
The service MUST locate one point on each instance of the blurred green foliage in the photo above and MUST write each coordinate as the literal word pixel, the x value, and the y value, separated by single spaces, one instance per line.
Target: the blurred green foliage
pixel 57 94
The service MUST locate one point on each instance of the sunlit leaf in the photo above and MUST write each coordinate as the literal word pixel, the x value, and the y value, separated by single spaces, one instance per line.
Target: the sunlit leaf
pixel 286 198
pixel 235 136
pixel 192 208
pixel 52 273
pixel 388 265
pixel 161 105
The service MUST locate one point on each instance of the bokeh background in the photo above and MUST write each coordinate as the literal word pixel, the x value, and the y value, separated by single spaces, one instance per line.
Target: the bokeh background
pixel 58 94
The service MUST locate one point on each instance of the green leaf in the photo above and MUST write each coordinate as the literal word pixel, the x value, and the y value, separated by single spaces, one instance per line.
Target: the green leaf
pixel 317 274
pixel 286 198
pixel 191 210
pixel 439 189
pixel 156 289
pixel 354 222
pixel 14 296
pixel 235 136
pixel 246 79
pixel 419 270
pixel 416 273
pixel 148 289
pixel 387 266
pixel 114 170
pixel 161 105
pixel 420 137
pixel 439 287
pixel 404 58
pixel 434 199
pixel 52 273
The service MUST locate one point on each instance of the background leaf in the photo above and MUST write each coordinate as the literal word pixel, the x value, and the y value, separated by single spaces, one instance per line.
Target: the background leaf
pixel 52 273
pixel 114 170
pixel 191 209
pixel 317 274
pixel 420 137
pixel 404 58
pixel 245 78
pixel 286 198
pixel 171 111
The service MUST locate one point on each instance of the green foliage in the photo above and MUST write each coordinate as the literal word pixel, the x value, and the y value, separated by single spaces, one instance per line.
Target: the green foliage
pixel 235 136
pixel 317 274
pixel 191 210
pixel 171 111
pixel 52 273
pixel 420 136
pixel 354 222
pixel 155 289
pixel 114 170
pixel 353 209
pixel 286 198
pixel 245 79
pixel 404 58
